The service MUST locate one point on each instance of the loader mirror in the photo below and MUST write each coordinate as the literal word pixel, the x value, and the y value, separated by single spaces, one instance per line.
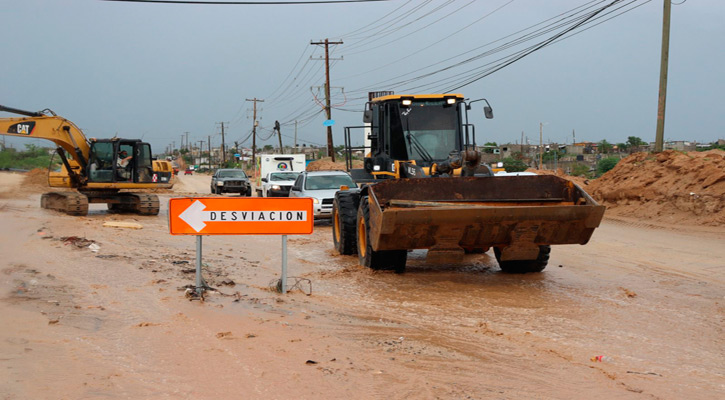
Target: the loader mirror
pixel 368 116
pixel 488 112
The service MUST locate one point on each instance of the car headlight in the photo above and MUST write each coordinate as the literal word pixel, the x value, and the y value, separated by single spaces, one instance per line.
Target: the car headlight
pixel 275 187
pixel 314 200
pixel 220 183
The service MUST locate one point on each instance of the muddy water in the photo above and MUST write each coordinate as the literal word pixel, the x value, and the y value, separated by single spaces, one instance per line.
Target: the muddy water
pixel 649 298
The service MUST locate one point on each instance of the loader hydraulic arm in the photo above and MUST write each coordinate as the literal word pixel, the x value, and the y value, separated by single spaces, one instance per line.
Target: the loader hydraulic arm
pixel 46 125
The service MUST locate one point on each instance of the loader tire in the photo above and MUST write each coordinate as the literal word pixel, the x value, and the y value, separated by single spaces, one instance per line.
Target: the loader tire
pixel 376 260
pixel 344 216
pixel 524 266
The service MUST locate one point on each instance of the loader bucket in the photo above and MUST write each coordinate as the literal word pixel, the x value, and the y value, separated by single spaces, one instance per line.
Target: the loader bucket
pixel 446 215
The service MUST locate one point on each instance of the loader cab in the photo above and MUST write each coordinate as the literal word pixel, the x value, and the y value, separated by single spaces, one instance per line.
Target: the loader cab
pixel 424 128
pixel 105 164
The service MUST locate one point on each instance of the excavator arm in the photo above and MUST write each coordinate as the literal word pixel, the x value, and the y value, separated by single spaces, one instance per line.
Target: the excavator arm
pixel 46 125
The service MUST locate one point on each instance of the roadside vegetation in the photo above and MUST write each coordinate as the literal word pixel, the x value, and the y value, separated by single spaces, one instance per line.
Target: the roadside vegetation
pixel 30 158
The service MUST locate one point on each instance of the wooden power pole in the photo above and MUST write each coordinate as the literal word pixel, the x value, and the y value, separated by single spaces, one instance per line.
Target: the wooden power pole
pixel 224 150
pixel 660 134
pixel 328 110
pixel 254 131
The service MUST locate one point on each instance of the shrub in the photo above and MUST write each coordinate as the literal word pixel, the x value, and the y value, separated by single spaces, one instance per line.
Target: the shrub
pixel 605 164
pixel 514 165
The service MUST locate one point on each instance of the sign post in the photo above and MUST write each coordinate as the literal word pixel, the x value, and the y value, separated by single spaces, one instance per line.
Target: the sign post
pixel 200 216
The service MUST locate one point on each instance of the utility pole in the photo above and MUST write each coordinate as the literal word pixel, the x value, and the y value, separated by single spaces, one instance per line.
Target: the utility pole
pixel 295 136
pixel 224 150
pixel 573 137
pixel 209 146
pixel 188 146
pixel 522 143
pixel 327 43
pixel 541 145
pixel 660 134
pixel 201 147
pixel 254 130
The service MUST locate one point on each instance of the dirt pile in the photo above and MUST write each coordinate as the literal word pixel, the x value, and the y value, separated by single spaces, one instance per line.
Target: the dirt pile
pixel 36 181
pixel 326 164
pixel 672 187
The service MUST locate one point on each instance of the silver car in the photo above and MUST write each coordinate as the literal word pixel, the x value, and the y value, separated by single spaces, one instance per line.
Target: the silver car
pixel 321 187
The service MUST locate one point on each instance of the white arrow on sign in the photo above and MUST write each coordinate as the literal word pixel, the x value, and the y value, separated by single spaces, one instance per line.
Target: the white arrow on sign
pixel 196 217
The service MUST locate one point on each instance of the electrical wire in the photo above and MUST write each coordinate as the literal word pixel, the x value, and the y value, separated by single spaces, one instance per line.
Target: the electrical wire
pixel 237 3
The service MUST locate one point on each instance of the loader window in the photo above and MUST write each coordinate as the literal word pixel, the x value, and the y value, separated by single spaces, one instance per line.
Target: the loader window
pixel 429 130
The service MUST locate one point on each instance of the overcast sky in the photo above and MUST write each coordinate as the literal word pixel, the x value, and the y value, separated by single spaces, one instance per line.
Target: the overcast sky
pixel 156 71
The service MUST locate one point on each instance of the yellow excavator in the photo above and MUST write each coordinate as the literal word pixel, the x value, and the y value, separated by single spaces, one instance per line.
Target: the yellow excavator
pixel 94 168
pixel 423 186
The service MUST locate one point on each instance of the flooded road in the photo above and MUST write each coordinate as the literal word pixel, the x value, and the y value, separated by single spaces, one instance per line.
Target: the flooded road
pixel 648 298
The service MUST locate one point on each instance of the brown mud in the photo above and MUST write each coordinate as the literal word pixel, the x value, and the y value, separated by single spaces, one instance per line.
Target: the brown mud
pixel 116 321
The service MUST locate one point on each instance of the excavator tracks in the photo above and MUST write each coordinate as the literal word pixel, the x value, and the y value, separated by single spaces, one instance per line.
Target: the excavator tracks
pixel 135 203
pixel 74 203
pixel 71 203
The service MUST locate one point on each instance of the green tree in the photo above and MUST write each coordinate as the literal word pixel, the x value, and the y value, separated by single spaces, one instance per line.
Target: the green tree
pixel 605 164
pixel 513 165
pixel 634 141
pixel 604 147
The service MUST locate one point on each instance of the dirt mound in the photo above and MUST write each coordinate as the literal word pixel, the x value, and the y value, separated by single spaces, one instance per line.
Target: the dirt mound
pixel 326 164
pixel 35 181
pixel 672 187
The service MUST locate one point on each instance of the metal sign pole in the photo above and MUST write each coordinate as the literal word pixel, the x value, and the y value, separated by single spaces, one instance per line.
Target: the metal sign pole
pixel 283 281
pixel 199 287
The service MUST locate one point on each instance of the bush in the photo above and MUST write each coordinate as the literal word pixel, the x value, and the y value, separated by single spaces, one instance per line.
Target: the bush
pixel 579 169
pixel 514 165
pixel 605 164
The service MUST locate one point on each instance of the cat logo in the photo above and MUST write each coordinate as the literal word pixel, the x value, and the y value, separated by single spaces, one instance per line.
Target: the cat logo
pixel 22 128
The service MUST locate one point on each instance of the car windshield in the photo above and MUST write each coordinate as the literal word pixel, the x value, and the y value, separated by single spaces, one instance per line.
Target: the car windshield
pixel 283 176
pixel 326 182
pixel 232 173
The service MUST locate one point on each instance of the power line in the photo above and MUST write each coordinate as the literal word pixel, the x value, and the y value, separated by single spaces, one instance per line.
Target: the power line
pixel 245 3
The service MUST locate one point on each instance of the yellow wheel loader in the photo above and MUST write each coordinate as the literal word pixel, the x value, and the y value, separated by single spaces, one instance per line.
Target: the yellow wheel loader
pixel 423 187
pixel 93 168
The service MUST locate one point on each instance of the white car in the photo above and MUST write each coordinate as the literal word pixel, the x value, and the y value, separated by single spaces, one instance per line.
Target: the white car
pixel 321 186
pixel 277 184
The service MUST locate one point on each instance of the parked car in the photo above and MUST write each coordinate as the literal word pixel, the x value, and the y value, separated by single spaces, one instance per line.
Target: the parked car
pixel 321 186
pixel 277 184
pixel 231 181
pixel 189 171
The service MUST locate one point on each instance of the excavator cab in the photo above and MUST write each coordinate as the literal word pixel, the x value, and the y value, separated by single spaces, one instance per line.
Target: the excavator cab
pixel 106 164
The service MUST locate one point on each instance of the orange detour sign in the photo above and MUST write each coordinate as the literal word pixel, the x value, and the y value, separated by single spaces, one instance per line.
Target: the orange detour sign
pixel 241 216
